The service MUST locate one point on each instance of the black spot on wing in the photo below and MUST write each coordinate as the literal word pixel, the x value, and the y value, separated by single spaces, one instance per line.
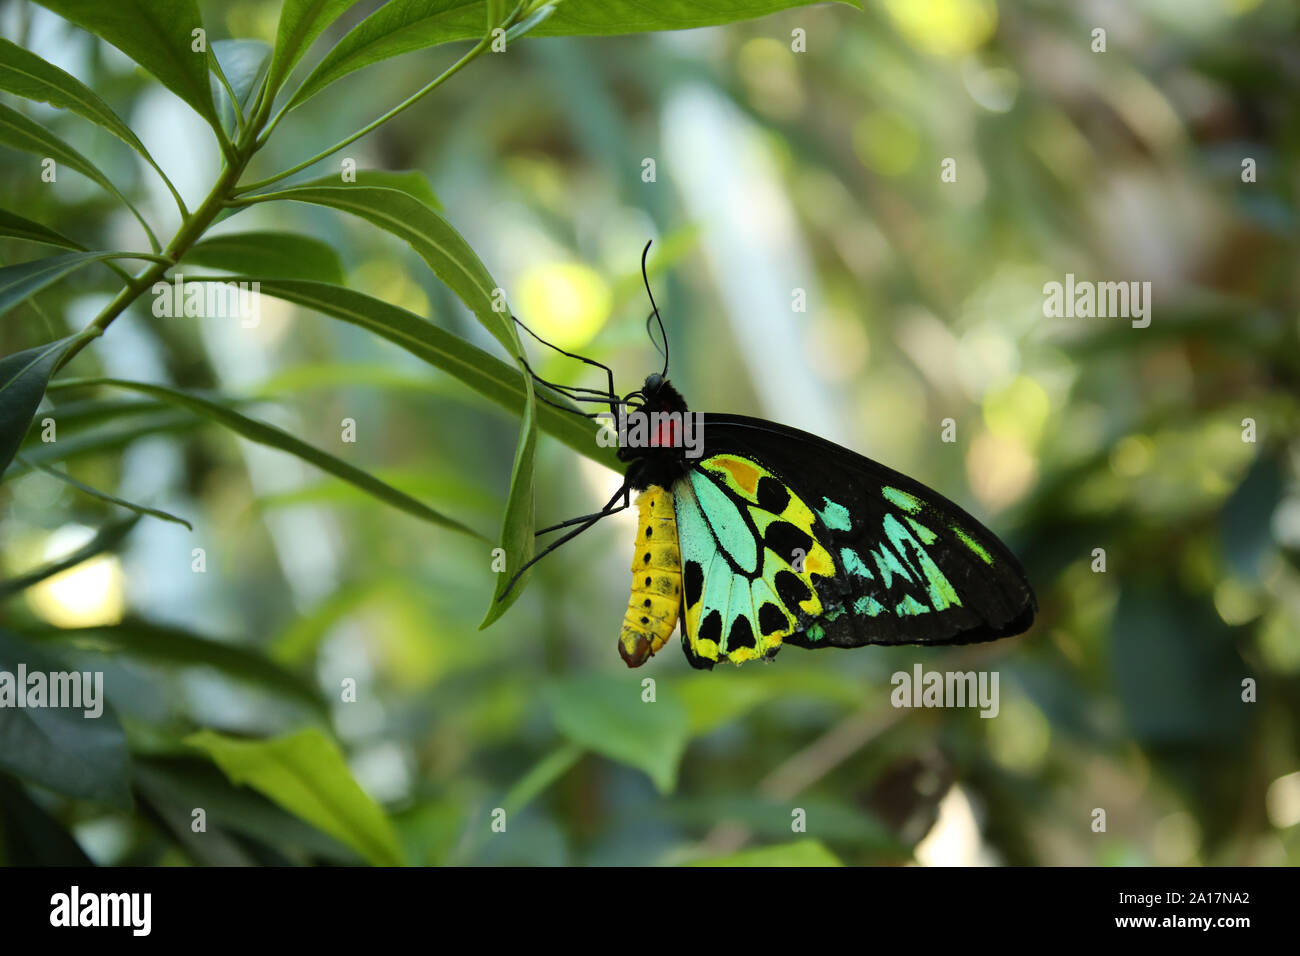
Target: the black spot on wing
pixel 790 589
pixel 772 495
pixel 742 634
pixel 784 538
pixel 694 580
pixel 771 619
pixel 711 627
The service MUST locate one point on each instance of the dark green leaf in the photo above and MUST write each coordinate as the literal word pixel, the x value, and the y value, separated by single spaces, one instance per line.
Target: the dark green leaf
pixel 517 538
pixel 607 715
pixel 19 132
pixel 481 371
pixel 243 63
pixel 24 279
pixel 306 774
pixel 60 747
pixel 273 437
pixel 171 645
pixel 157 34
pixel 31 837
pixel 403 26
pixel 26 74
pixel 410 181
pixel 17 227
pixel 301 22
pixel 281 255
pixel 23 377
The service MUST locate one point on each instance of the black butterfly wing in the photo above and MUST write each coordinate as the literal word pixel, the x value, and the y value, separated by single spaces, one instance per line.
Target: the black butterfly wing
pixel 910 566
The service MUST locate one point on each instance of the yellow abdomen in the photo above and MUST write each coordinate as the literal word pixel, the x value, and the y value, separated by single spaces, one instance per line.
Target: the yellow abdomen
pixel 656 600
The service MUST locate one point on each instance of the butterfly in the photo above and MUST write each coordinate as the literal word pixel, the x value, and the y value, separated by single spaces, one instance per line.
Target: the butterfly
pixel 754 535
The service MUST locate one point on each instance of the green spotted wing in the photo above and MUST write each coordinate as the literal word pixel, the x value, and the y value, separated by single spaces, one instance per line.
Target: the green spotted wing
pixel 789 539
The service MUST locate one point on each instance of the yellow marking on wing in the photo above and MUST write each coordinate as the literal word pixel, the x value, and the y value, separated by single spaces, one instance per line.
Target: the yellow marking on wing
pixel 744 474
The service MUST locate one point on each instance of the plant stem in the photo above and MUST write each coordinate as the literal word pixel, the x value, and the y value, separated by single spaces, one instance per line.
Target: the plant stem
pixel 409 101
pixel 191 228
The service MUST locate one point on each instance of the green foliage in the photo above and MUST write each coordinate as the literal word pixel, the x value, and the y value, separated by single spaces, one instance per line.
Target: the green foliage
pixel 306 774
pixel 821 167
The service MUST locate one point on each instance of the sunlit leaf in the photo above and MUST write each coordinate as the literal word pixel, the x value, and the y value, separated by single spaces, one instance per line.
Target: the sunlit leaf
pixel 802 853
pixel 608 716
pixel 306 774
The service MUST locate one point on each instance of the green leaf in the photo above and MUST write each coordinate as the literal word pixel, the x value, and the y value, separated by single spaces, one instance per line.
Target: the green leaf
pixel 429 234
pixel 284 255
pixel 19 132
pixel 454 262
pixel 403 26
pixel 188 782
pixel 710 703
pixel 27 75
pixel 157 34
pixel 480 370
pixel 301 22
pixel 243 63
pixel 802 853
pixel 172 645
pixel 410 181
pixel 273 437
pixel 18 282
pixel 400 26
pixel 517 536
pixel 30 836
pixel 105 496
pixel 17 227
pixel 23 378
pixel 606 714
pixel 59 747
pixel 106 539
pixel 306 774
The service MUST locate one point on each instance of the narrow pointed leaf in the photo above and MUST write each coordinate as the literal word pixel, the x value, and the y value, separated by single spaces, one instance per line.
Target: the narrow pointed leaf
pixel 486 374
pixel 15 226
pixel 105 496
pixel 301 22
pixel 273 437
pixel 28 75
pixel 306 774
pixel 19 132
pixel 284 255
pixel 157 34
pixel 174 646
pixel 23 377
pixel 24 279
pixel 106 539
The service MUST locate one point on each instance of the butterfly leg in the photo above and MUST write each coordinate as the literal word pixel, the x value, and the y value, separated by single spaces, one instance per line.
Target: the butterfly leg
pixel 586 522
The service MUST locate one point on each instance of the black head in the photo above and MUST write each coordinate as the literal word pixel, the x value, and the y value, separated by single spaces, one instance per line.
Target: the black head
pixel 650 439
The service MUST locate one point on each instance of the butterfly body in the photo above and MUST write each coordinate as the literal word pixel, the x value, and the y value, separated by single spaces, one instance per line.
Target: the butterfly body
pixel 782 538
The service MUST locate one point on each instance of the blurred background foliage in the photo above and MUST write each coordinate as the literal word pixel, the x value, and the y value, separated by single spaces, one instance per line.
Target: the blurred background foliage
pixel 774 171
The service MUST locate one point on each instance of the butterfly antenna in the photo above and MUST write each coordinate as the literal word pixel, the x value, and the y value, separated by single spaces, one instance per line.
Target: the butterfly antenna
pixel 610 394
pixel 655 315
